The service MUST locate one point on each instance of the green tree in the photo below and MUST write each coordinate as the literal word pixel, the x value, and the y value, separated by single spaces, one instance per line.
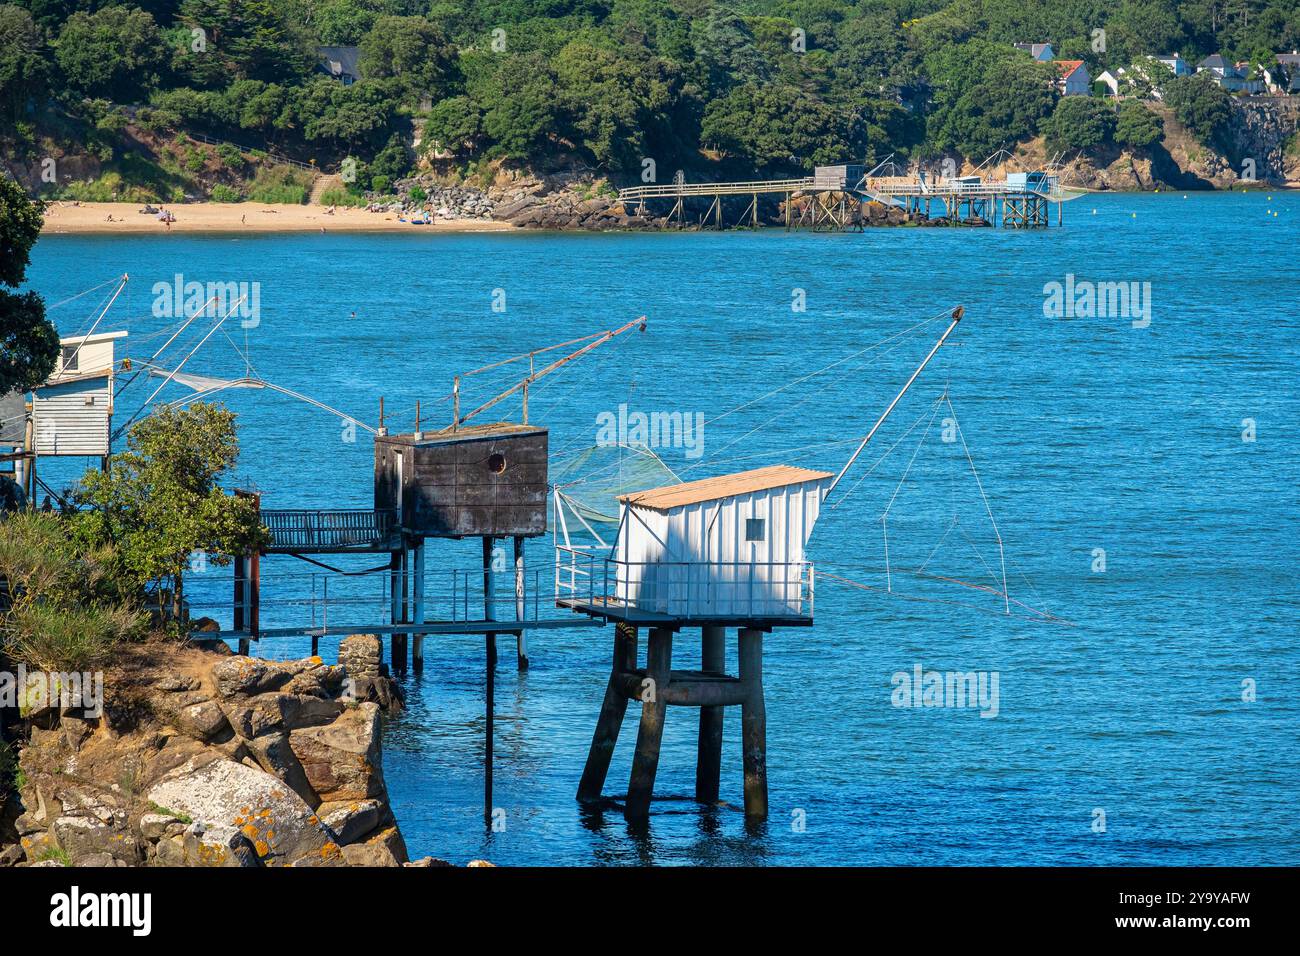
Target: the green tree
pixel 456 125
pixel 23 70
pixel 159 502
pixel 410 49
pixel 1079 122
pixel 1136 125
pixel 115 52
pixel 29 344
pixel 781 128
pixel 1201 105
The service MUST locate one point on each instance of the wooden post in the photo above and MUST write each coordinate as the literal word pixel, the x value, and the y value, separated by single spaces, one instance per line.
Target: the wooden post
pixel 645 762
pixel 399 640
pixel 708 764
pixel 489 684
pixel 417 640
pixel 394 597
pixel 753 720
pixel 520 604
pixel 612 710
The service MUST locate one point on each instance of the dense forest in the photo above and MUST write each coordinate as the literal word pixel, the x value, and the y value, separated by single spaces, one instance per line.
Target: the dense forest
pixel 763 85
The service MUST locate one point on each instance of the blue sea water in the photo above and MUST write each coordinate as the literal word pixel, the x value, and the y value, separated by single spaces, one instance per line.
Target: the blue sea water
pixel 1088 434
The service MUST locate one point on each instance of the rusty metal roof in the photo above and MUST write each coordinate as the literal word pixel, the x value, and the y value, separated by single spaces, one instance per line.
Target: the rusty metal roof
pixel 722 486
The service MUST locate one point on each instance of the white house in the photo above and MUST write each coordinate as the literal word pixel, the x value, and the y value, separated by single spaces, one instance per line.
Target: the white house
pixel 1042 52
pixel 71 409
pixel 1111 81
pixel 1177 65
pixel 1073 78
pixel 730 546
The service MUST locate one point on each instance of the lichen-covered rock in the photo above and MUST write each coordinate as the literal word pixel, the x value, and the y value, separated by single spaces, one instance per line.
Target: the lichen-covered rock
pixel 217 846
pixel 275 821
pixel 342 759
pixel 350 820
pixel 273 754
pixel 385 848
pixel 203 721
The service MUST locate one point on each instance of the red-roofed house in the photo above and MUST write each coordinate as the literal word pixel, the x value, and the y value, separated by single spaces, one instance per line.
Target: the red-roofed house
pixel 1073 79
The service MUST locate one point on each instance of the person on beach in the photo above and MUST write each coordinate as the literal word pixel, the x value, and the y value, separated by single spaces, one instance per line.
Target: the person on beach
pixel 242 221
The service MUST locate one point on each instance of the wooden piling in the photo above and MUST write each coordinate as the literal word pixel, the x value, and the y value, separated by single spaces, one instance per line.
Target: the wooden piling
pixel 402 601
pixel 612 710
pixel 708 764
pixel 417 640
pixel 753 722
pixel 489 683
pixel 645 762
pixel 521 609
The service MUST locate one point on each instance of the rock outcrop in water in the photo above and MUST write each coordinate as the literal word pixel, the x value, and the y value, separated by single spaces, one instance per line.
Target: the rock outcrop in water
pixel 203 758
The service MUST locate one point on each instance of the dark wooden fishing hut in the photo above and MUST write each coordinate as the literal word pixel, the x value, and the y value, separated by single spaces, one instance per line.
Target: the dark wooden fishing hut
pixel 481 481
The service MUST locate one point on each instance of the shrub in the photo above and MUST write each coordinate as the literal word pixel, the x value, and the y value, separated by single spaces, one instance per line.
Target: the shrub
pixel 69 638
pixel 223 193
pixel 341 197
pixel 1136 125
pixel 280 184
pixel 417 194
pixel 1201 105
pixel 380 184
pixel 231 156
pixel 66 604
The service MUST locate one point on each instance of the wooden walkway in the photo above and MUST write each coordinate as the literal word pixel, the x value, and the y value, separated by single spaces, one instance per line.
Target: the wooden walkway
pixel 302 531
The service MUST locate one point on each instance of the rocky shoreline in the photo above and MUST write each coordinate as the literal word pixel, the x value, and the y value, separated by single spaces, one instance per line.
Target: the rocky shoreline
pixel 204 758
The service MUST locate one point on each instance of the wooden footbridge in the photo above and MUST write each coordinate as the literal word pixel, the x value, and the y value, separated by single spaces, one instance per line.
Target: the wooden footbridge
pixel 839 198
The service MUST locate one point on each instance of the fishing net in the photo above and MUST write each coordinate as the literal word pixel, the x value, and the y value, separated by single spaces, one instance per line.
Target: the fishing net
pixel 588 482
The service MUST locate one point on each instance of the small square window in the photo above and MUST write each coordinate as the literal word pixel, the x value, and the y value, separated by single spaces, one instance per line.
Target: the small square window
pixel 755 529
pixel 70 357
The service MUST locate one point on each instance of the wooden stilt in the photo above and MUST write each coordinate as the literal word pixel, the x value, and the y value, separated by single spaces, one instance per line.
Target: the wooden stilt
pixel 612 710
pixel 645 762
pixel 520 608
pixel 489 614
pixel 394 599
pixel 399 640
pixel 708 765
pixel 417 640
pixel 753 721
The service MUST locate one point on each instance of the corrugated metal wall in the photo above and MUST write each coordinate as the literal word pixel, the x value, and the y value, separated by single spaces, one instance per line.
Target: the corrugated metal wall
pixel 13 418
pixel 72 419
pixel 694 560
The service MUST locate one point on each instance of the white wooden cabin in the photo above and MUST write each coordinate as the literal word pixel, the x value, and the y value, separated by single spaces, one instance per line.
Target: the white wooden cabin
pixel 72 409
pixel 729 547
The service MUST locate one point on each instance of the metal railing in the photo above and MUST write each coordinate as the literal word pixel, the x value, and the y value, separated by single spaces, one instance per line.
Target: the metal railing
pixel 304 529
pixel 686 589
pixel 637 193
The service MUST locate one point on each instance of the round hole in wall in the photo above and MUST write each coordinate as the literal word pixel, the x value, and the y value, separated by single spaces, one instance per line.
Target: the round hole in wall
pixel 496 463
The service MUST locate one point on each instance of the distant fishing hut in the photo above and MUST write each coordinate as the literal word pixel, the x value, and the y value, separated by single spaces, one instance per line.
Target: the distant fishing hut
pixel 715 554
pixel 72 410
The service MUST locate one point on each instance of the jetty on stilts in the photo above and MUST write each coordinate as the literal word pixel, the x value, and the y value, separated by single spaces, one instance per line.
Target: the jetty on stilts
pixel 850 196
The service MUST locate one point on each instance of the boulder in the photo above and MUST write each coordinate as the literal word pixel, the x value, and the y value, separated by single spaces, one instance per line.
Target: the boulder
pixel 84 836
pixel 273 754
pixel 385 848
pixel 203 721
pixel 219 846
pixel 342 759
pixel 276 822
pixel 350 820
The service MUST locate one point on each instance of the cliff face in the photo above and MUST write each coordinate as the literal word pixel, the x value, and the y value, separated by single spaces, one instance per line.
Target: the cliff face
pixel 203 758
pixel 1260 132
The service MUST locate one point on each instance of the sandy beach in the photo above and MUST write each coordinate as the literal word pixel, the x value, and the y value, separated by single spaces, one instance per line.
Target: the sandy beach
pixel 94 217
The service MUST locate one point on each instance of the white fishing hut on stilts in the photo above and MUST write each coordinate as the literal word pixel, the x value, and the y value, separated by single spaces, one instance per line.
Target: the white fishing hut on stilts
pixel 719 553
